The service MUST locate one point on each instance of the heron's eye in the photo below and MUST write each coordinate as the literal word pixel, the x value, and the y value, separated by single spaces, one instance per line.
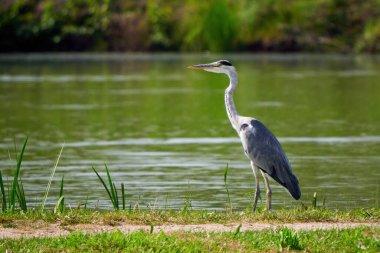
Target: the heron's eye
pixel 224 62
pixel 243 127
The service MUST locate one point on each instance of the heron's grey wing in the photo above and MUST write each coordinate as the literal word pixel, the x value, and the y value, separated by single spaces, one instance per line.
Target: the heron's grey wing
pixel 262 147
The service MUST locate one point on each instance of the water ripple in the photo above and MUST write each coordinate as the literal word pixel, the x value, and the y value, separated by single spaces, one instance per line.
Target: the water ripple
pixel 221 140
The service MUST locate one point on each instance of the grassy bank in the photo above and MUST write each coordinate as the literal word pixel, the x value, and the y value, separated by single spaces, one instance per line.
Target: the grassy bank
pixel 282 239
pixel 159 217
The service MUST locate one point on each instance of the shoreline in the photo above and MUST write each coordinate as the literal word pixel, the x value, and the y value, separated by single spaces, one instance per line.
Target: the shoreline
pixel 43 229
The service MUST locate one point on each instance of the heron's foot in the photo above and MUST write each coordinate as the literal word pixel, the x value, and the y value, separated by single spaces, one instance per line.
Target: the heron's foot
pixel 268 206
pixel 257 196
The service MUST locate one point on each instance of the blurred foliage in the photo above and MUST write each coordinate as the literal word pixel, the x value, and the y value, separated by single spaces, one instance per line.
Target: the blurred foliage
pixel 161 16
pixel 219 26
pixel 190 25
pixel 340 23
pixel 209 26
pixel 370 40
pixel 32 25
pixel 276 25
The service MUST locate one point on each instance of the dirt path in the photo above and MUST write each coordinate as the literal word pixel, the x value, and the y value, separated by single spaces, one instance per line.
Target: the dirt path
pixel 26 228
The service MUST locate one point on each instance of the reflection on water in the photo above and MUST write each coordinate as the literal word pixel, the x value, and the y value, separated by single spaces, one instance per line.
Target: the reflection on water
pixel 163 131
pixel 80 78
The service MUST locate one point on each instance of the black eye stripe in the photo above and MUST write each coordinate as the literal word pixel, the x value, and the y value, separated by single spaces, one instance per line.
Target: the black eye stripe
pixel 224 62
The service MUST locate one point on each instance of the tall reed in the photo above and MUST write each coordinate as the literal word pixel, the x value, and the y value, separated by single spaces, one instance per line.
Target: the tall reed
pixel 51 179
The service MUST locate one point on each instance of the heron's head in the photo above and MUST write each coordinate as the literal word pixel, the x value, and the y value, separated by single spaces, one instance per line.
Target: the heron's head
pixel 221 66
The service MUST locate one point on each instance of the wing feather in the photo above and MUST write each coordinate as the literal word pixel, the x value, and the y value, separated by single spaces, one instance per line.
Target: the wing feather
pixel 263 148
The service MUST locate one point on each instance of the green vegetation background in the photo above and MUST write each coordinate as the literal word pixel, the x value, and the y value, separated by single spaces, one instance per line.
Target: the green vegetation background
pixel 189 25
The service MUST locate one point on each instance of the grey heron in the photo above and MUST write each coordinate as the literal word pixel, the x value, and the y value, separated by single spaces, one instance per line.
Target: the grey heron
pixel 259 144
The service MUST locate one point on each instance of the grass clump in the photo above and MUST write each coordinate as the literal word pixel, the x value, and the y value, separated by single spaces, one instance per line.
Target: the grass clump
pixel 111 189
pixel 16 190
pixel 288 239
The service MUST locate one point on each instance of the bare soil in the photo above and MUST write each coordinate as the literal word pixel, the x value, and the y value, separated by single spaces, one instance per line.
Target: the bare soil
pixel 27 228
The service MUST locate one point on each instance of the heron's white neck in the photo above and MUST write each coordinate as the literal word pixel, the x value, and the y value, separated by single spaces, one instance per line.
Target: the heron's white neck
pixel 229 100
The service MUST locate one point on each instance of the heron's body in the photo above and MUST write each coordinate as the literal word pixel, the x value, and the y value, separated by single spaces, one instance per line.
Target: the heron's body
pixel 259 144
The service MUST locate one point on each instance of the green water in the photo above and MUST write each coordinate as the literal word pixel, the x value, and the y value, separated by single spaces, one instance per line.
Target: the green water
pixel 162 128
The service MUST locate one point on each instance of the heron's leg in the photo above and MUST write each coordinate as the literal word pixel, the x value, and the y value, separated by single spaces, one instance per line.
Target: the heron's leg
pixel 269 191
pixel 257 190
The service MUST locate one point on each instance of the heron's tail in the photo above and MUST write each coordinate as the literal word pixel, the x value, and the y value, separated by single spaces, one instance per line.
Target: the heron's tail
pixel 286 178
pixel 293 186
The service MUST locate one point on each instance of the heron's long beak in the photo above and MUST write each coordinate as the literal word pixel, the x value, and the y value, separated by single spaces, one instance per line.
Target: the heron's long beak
pixel 202 66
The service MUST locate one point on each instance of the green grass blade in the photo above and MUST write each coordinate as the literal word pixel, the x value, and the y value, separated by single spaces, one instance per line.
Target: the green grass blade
pixel 9 192
pixel 116 197
pixel 62 203
pixel 314 200
pixel 111 185
pixel 12 198
pixel 61 188
pixel 151 229
pixel 104 184
pixel 16 196
pixel 226 186
pixel 122 195
pixel 51 179
pixel 237 231
pixel 59 204
pixel 21 196
pixel 225 174
pixel 112 189
pixel 3 197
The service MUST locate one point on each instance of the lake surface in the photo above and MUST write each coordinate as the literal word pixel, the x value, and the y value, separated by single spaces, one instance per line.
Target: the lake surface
pixel 162 129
